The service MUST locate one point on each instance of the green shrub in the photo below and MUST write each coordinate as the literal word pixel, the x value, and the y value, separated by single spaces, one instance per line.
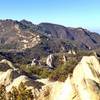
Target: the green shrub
pixel 17 94
pixel 36 70
pixel 61 73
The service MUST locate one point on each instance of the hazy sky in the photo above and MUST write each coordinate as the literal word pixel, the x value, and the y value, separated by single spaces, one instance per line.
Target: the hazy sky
pixel 73 13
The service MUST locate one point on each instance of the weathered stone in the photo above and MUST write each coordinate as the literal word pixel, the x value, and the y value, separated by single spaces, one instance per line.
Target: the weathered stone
pixel 49 60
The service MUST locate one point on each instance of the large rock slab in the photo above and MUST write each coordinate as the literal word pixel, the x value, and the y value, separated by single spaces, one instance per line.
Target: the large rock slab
pixel 86 77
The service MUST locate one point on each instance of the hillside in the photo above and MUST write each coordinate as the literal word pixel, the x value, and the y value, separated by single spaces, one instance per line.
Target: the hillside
pixel 21 41
pixel 15 36
pixel 20 35
pixel 83 37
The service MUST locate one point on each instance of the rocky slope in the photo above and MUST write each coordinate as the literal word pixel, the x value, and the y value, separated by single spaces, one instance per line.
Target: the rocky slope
pixel 83 84
pixel 20 35
pixel 16 36
pixel 83 37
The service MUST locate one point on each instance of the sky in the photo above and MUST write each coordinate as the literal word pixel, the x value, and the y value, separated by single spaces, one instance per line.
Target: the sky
pixel 70 13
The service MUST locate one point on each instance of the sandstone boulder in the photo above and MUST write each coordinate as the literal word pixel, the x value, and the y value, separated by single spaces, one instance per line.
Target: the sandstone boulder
pixel 86 77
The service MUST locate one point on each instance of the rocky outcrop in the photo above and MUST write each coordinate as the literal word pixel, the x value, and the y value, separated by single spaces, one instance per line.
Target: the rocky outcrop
pixel 6 77
pixel 29 83
pixel 50 60
pixel 86 78
pixel 5 61
pixel 83 84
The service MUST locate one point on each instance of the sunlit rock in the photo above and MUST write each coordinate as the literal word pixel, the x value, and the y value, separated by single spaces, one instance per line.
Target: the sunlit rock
pixel 86 75
pixel 6 77
pixel 49 60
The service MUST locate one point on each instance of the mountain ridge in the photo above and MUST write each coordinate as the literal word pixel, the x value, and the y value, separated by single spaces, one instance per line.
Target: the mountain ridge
pixel 21 35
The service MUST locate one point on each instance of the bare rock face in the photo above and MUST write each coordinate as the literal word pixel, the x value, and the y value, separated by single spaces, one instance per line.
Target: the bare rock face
pixel 89 68
pixel 50 61
pixel 86 77
pixel 51 90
